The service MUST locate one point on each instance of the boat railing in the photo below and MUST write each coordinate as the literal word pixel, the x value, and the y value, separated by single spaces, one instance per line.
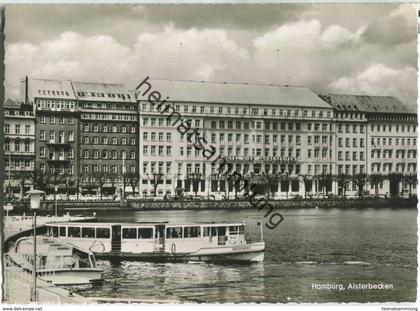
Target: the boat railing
pixel 18 284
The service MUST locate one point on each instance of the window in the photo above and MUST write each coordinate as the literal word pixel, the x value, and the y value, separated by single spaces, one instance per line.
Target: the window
pixel 145 233
pixel 174 233
pixel 129 233
pixel 102 233
pixel 42 152
pixel 88 232
pixel 74 232
pixel 192 232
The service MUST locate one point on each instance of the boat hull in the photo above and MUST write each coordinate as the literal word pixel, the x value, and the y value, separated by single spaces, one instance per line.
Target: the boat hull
pixel 247 253
pixel 72 278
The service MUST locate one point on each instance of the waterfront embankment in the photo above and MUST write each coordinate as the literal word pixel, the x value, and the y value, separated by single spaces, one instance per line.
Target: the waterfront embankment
pixel 65 206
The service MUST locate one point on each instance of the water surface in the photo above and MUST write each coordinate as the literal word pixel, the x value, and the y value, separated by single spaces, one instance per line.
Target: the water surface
pixel 311 246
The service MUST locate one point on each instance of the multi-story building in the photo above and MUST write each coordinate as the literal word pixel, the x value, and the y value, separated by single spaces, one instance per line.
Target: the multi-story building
pixel 377 135
pixel 259 129
pixel 57 121
pixel 99 137
pixel 108 134
pixel 19 147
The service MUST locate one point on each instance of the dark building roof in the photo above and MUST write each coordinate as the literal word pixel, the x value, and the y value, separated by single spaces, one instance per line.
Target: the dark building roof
pixel 9 103
pixel 96 91
pixel 235 93
pixel 368 104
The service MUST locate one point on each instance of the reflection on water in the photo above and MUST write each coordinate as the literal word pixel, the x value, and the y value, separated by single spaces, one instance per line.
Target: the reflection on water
pixel 310 246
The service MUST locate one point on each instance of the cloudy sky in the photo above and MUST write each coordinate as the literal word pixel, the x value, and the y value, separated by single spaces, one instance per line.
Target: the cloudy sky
pixel 358 48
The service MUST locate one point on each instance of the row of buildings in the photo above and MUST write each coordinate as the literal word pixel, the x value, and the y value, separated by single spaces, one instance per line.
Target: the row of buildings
pixel 69 137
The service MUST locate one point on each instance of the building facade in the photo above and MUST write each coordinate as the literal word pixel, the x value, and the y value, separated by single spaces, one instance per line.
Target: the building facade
pixel 108 136
pixel 259 129
pixel 288 141
pixel 377 135
pixel 57 122
pixel 19 147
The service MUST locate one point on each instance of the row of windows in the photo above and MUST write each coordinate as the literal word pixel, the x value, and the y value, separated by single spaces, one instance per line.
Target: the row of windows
pixel 350 169
pixel 392 141
pixel 108 128
pixel 354 156
pixel 112 106
pixel 56 154
pixel 267 125
pixel 390 154
pixel 102 116
pixel 57 168
pixel 52 136
pixel 161 136
pixel 108 140
pixel 389 168
pixel 222 110
pixel 389 128
pixel 53 120
pixel 107 154
pixel 160 150
pixel 53 104
pixel 18 129
pixel 354 140
pixel 114 169
pixel 355 128
pixel 18 146
pixel 16 164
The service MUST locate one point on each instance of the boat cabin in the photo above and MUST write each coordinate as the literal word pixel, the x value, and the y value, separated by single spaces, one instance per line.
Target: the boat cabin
pixel 159 237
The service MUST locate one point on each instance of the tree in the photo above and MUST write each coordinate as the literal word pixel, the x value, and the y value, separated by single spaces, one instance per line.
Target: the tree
pixel 375 180
pixel 100 179
pixel 22 176
pixel 134 179
pixel 324 181
pixel 271 182
pixel 342 182
pixel 195 179
pixel 39 179
pixel 411 181
pixel 112 179
pixel 394 181
pixel 360 179
pixel 155 180
pixel 307 182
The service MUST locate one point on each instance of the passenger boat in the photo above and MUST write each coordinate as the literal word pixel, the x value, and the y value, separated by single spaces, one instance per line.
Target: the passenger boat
pixel 57 262
pixel 162 241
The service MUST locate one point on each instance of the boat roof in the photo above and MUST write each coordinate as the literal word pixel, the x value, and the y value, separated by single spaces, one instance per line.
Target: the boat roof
pixel 143 223
pixel 44 246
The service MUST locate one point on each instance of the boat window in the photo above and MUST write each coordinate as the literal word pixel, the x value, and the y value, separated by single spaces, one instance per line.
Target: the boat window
pixel 129 233
pixel 88 232
pixel 191 232
pixel 74 232
pixel 145 233
pixel 102 233
pixel 209 231
pixel 221 231
pixel 174 233
pixel 62 231
pixel 233 229
pixel 55 232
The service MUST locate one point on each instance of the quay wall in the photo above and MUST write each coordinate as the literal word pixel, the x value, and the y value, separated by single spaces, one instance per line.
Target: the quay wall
pixel 49 206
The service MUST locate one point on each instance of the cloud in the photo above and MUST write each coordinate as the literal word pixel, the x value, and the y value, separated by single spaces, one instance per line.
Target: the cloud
pixel 323 47
pixel 401 22
pixel 379 79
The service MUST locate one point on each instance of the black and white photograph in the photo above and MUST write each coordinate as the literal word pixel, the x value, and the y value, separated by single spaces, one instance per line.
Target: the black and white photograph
pixel 173 154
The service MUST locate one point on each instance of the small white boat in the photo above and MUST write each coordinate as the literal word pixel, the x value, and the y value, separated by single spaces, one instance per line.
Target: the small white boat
pixel 162 241
pixel 57 262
